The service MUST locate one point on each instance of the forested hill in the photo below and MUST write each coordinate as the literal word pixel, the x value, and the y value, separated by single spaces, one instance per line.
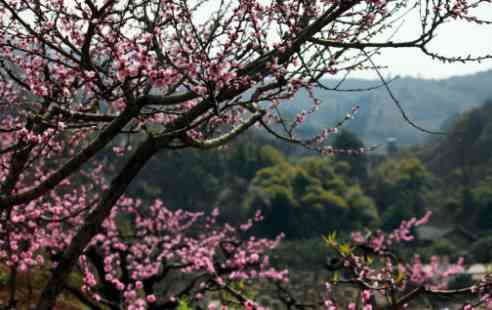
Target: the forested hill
pixel 430 103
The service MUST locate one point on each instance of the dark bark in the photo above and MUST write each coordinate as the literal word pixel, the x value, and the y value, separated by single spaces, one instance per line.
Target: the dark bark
pixel 75 163
pixel 93 223
pixel 86 301
pixel 108 290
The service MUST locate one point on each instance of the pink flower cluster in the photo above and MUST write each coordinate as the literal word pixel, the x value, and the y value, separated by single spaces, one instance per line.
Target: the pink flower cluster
pixel 379 241
pixel 369 263
pixel 158 239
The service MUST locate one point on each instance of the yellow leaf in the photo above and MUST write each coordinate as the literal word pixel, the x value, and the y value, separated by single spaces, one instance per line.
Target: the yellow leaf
pixel 336 277
pixel 400 277
pixel 345 249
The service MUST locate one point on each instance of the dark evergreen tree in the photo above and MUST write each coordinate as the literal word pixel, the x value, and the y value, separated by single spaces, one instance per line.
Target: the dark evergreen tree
pixel 347 142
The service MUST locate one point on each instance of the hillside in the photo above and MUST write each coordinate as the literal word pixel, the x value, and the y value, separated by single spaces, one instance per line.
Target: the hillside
pixel 430 103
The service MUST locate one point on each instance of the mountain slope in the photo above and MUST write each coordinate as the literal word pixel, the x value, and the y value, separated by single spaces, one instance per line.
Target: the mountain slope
pixel 430 103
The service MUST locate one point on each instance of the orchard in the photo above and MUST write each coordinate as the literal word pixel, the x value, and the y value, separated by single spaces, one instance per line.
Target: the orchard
pixel 91 90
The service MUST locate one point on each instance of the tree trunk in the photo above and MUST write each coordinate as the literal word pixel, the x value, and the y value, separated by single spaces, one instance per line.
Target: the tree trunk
pixel 92 225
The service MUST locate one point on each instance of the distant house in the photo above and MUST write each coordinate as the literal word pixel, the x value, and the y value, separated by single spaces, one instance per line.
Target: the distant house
pixel 427 234
pixel 477 271
pixel 457 234
pixel 391 146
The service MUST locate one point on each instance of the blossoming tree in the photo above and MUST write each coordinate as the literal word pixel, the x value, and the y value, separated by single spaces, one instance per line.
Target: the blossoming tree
pixel 369 264
pixel 143 76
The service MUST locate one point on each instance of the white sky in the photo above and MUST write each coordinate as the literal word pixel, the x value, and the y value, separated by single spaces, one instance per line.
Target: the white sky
pixel 454 39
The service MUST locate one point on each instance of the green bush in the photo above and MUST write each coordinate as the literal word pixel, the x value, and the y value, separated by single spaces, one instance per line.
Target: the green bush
pixel 481 250
pixel 306 199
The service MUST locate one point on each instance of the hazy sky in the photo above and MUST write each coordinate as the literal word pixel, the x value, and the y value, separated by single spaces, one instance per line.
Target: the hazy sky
pixel 454 39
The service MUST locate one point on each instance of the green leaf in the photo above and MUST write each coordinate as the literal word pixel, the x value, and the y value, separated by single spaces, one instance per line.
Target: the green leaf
pixel 183 304
pixel 331 239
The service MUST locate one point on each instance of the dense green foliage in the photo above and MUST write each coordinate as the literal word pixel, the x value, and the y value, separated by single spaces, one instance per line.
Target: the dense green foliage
pixel 462 196
pixel 346 140
pixel 308 198
pixel 399 186
pixel 482 201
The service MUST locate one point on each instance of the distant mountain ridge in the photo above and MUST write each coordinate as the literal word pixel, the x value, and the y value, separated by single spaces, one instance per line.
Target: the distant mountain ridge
pixel 430 103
